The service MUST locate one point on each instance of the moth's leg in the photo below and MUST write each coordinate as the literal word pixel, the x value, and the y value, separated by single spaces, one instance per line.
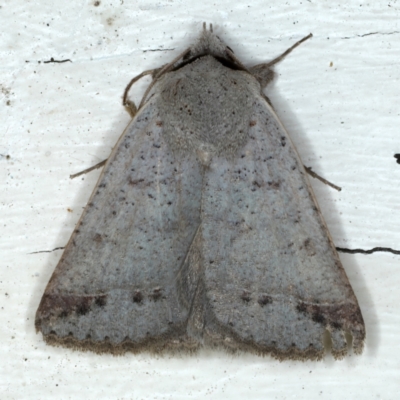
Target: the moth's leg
pixel 85 171
pixel 263 72
pixel 157 73
pixel 129 105
pixel 320 178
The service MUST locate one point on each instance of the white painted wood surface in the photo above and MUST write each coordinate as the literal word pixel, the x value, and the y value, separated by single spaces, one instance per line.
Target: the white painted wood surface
pixel 57 119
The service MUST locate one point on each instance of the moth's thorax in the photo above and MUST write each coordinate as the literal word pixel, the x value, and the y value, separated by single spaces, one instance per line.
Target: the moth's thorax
pixel 205 106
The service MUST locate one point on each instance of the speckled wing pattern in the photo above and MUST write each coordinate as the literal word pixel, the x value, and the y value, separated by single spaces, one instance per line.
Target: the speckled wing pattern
pixel 117 279
pixel 203 230
pixel 272 277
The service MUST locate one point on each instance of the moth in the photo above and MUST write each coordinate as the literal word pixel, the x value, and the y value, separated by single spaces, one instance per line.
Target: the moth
pixel 203 229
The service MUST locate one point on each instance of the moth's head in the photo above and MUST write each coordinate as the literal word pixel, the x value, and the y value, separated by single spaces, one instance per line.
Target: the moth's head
pixel 209 43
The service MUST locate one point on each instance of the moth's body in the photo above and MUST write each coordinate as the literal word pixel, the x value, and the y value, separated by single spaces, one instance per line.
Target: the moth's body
pixel 202 230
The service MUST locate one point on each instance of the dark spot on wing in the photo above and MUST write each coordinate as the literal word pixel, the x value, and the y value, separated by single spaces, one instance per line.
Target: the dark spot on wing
pixel 133 182
pixel 263 300
pixel 137 296
pixel 319 318
pixel 101 300
pixel 84 307
pixel 274 184
pixel 301 307
pixel 245 296
pixel 336 325
pixel 97 238
pixel 309 247
pixel 156 294
pixel 334 315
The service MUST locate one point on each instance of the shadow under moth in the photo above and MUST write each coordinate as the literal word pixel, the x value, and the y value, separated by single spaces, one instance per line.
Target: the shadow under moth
pixel 203 229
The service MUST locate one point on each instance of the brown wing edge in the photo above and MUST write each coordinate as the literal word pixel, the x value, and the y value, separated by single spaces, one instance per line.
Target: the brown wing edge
pixel 334 322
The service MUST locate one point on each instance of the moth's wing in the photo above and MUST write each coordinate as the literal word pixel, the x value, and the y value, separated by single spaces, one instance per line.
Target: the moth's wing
pixel 117 284
pixel 273 281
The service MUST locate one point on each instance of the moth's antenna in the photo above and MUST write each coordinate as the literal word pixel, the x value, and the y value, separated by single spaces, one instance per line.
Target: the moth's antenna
pixel 284 54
